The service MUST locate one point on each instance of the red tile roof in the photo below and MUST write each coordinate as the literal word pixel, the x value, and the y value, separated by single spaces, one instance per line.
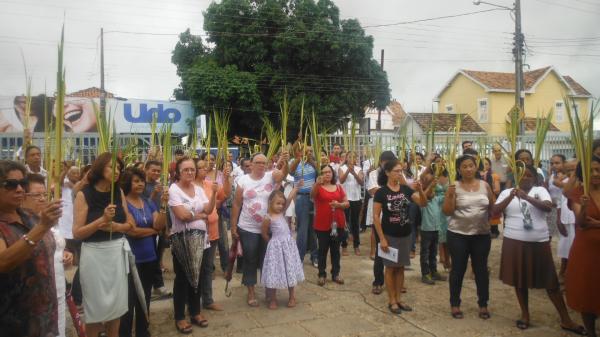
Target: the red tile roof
pixel 444 121
pixel 578 88
pixel 530 122
pixel 92 92
pixel 506 81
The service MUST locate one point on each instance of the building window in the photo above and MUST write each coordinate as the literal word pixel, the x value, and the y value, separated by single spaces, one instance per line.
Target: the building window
pixel 559 111
pixel 450 108
pixel 482 110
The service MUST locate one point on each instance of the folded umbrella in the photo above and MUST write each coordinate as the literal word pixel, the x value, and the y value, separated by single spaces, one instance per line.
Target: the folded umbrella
pixel 137 283
pixel 188 248
pixel 233 254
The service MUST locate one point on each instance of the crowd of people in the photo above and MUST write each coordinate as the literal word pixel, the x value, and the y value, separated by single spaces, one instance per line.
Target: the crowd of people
pixel 115 222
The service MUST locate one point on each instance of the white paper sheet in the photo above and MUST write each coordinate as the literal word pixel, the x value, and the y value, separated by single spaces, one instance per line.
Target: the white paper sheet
pixel 392 253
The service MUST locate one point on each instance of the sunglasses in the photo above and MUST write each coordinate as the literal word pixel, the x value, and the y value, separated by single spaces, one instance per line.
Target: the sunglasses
pixel 12 184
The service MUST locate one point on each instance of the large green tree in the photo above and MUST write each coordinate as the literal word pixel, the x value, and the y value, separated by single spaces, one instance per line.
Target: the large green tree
pixel 254 50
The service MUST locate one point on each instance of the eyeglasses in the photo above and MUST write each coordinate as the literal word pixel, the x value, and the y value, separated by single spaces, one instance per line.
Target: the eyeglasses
pixel 12 184
pixel 38 196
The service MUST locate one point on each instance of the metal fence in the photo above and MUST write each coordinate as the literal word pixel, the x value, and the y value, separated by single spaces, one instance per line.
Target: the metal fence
pixel 363 144
pixel 84 147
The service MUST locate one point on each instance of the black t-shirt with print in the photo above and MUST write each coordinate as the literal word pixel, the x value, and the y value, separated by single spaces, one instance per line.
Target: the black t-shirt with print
pixel 394 208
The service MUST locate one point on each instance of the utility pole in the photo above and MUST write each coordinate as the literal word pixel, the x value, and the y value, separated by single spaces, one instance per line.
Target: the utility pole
pixel 102 93
pixel 378 124
pixel 518 54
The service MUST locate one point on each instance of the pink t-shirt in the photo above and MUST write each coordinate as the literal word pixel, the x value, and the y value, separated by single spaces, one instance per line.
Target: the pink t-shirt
pixel 255 202
pixel 178 198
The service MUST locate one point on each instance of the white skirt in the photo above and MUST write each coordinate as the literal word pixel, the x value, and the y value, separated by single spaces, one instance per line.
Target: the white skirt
pixel 565 242
pixel 103 272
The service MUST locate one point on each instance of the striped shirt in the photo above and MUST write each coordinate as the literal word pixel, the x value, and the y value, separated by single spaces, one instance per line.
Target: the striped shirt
pixel 310 175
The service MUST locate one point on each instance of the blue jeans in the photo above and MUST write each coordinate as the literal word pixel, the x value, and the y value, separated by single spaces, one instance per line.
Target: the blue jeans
pixel 306 235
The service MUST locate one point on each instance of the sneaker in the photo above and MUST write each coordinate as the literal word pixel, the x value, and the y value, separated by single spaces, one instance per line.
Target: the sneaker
pixel 161 293
pixel 438 277
pixel 427 279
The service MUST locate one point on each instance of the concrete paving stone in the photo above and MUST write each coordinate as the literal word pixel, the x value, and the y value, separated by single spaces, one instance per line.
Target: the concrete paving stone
pixel 283 315
pixel 342 325
pixel 287 330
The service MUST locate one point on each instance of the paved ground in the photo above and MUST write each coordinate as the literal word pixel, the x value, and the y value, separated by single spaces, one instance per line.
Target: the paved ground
pixel 351 309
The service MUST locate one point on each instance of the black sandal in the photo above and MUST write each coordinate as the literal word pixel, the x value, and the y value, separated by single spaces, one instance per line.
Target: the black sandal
pixel 396 311
pixel 404 307
pixel 522 324
pixel 579 330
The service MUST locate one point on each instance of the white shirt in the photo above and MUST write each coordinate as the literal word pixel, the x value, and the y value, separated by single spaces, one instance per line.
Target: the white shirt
pixel 65 223
pixel 237 172
pixel 555 191
pixel 513 221
pixel 351 185
pixel 372 184
pixel 366 166
pixel 42 172
pixel 287 189
pixel 177 197
pixel 255 201
pixel 567 216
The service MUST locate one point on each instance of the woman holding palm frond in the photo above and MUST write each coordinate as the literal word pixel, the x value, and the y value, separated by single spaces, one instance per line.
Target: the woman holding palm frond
pixel 101 225
pixel 583 275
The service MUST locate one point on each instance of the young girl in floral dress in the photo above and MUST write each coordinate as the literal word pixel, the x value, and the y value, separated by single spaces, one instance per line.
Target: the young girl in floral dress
pixel 282 267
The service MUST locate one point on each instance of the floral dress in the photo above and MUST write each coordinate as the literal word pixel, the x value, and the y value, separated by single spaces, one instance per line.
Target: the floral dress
pixel 282 268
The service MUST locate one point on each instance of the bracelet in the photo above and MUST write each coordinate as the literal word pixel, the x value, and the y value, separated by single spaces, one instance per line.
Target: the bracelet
pixel 28 240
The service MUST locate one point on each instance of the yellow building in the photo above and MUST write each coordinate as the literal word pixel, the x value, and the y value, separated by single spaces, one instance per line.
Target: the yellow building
pixel 488 96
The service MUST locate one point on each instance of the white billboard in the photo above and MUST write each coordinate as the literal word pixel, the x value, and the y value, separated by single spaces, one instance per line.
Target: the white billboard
pixel 135 115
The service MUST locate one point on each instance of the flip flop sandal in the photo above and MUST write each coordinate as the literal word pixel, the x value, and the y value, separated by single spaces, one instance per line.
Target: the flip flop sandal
pixel 377 290
pixel 203 323
pixel 579 330
pixel 321 281
pixel 484 315
pixel 457 315
pixel 522 324
pixel 404 307
pixel 186 330
pixel 253 303
pixel 396 310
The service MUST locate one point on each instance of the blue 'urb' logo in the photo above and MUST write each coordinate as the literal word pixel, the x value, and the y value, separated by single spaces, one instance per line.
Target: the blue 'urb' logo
pixel 163 115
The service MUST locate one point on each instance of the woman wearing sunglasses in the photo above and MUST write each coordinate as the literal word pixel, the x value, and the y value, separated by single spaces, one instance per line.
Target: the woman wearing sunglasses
pixel 27 288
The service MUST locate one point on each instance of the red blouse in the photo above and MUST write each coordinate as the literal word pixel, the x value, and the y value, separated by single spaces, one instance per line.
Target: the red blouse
pixel 323 212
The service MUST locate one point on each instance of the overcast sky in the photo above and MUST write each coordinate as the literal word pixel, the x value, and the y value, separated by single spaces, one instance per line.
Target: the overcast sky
pixel 419 58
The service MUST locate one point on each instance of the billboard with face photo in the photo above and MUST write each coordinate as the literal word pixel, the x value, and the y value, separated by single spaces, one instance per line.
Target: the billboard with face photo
pixel 12 113
pixel 129 115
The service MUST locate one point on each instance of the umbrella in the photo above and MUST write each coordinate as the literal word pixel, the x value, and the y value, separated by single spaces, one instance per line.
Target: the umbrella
pixel 137 283
pixel 233 254
pixel 77 323
pixel 188 247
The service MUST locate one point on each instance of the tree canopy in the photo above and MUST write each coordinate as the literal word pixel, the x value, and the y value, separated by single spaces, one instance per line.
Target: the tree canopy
pixel 255 50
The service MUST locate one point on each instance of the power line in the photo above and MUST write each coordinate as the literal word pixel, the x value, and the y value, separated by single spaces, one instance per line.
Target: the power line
pixel 587 11
pixel 434 18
